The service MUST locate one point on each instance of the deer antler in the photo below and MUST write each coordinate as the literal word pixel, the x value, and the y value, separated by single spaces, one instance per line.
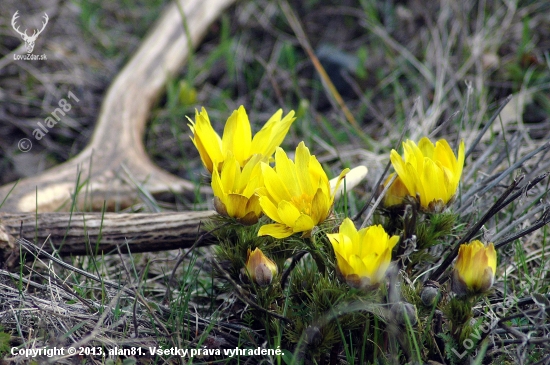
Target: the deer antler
pixel 116 149
pixel 13 20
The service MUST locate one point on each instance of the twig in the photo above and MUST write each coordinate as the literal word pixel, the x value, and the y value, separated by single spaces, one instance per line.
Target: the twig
pixel 489 123
pixel 545 219
pixel 405 129
pixel 377 202
pixel 498 177
pixel 524 189
pixel 294 261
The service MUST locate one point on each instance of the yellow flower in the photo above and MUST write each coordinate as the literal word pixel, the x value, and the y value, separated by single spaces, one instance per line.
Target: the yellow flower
pixel 259 268
pixel 429 173
pixel 362 256
pixel 475 268
pixel 297 195
pixel 234 189
pixel 237 137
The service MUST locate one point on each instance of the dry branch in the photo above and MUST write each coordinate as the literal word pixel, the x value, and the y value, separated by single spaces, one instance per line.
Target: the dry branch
pixel 81 233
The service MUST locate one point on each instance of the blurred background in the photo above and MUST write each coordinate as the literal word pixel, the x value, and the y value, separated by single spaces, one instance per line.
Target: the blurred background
pixel 446 64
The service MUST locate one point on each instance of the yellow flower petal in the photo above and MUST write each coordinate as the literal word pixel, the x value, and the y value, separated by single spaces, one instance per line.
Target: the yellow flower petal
pixel 320 206
pixel 269 208
pixel 272 133
pixel 288 213
pixel 231 172
pixel 236 205
pixel 358 266
pixel 237 135
pixel 274 185
pixel 217 186
pixel 344 267
pixel 287 172
pixel 426 147
pixel 275 230
pixel 206 140
pixel 304 223
pixel 396 193
pixel 303 170
pixel 399 166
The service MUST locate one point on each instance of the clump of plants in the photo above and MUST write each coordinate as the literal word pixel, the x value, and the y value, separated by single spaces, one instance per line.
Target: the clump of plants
pixel 400 288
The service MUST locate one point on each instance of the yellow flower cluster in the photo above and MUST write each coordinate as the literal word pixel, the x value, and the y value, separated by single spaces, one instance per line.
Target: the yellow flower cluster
pixel 427 172
pixel 297 196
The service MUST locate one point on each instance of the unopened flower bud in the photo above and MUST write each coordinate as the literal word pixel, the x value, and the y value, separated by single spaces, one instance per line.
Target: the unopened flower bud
pixel 260 269
pixel 403 311
pixel 313 336
pixel 475 268
pixel 430 293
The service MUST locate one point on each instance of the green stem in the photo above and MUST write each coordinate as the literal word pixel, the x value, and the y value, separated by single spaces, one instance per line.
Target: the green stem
pixel 317 257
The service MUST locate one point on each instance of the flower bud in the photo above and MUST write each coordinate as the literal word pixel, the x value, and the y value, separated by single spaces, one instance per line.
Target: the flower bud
pixel 475 268
pixel 403 311
pixel 313 336
pixel 430 293
pixel 260 269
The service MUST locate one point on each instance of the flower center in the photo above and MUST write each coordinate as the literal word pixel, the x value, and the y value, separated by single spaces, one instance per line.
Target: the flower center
pixel 303 203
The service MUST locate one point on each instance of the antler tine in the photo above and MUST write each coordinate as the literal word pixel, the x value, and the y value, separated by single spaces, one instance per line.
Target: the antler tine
pixel 13 21
pixel 14 18
pixel 37 32
pixel 43 24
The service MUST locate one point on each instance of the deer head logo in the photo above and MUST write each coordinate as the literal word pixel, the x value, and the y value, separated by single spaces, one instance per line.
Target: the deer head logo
pixel 29 40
